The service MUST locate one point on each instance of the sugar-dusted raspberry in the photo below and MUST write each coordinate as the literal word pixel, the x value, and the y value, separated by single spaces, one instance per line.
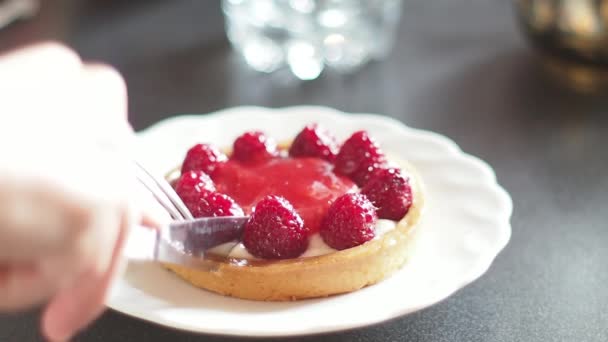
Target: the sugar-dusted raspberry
pixel 349 222
pixel 254 147
pixel 275 230
pixel 213 204
pixel 191 183
pixel 359 157
pixel 314 141
pixel 390 192
pixel 203 157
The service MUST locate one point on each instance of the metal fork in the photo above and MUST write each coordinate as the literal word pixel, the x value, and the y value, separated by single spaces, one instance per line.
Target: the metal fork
pixel 163 192
pixel 186 240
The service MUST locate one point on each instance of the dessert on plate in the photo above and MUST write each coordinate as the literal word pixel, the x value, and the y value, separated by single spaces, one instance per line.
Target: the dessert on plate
pixel 324 218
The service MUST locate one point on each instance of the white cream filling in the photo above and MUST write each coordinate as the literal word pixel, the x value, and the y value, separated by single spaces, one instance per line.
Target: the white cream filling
pixel 316 244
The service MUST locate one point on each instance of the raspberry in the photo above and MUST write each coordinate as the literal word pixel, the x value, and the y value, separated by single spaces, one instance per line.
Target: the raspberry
pixel 208 204
pixel 254 147
pixel 275 230
pixel 349 222
pixel 359 157
pixel 191 183
pixel 213 204
pixel 203 157
pixel 389 190
pixel 314 141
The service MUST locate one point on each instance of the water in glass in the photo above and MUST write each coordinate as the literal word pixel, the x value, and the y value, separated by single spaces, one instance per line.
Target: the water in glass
pixel 309 35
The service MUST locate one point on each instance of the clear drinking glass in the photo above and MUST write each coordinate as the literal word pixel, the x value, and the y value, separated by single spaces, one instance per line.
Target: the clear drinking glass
pixel 308 35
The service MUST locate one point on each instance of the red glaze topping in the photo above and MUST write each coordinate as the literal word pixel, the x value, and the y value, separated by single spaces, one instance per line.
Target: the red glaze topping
pixel 309 184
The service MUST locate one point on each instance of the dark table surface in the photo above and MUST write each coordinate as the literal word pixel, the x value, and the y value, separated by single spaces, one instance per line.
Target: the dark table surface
pixel 461 68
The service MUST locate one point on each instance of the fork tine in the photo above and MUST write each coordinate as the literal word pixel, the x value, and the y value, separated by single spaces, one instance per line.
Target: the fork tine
pixel 159 197
pixel 169 193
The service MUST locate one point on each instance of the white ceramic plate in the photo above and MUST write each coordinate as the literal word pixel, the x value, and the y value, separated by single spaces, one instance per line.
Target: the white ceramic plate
pixel 465 227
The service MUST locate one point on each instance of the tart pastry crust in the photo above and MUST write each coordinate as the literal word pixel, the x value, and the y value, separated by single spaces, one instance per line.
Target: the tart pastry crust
pixel 320 276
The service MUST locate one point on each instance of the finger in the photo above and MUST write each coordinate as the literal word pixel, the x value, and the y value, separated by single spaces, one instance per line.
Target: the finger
pixel 152 221
pixel 104 101
pixel 76 306
pixel 46 72
pixel 58 221
pixel 36 59
pixel 24 283
pixel 22 286
pixel 104 119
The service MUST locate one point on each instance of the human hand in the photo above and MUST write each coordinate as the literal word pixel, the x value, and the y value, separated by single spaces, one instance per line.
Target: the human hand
pixel 65 185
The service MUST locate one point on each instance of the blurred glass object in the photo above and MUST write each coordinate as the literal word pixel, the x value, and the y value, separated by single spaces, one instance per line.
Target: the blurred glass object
pixel 573 38
pixel 307 36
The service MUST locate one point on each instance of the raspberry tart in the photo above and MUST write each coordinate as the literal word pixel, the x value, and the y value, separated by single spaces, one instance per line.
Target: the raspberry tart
pixel 323 219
